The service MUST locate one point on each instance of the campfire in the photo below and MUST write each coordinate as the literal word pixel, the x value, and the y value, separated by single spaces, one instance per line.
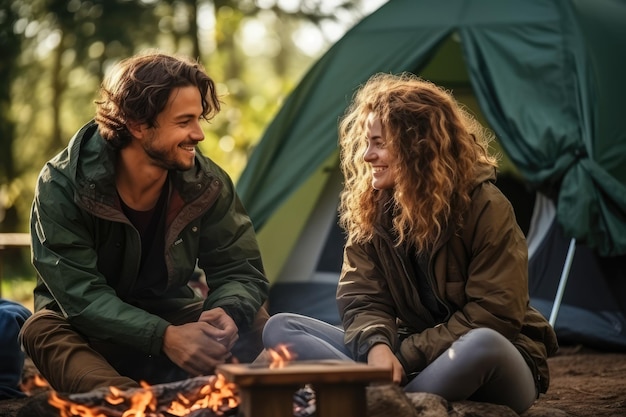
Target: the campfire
pixel 253 390
pixel 198 397
pixel 203 396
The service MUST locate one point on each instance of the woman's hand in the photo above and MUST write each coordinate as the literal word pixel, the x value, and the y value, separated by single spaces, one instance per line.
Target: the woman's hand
pixel 382 356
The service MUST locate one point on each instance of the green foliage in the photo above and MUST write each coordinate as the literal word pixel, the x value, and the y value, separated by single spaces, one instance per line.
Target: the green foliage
pixel 19 289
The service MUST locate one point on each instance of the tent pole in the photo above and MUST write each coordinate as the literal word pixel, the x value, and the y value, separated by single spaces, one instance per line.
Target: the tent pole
pixel 563 281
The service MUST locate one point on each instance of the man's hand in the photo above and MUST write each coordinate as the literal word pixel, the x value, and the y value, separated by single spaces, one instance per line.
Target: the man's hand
pixel 381 355
pixel 199 347
pixel 225 330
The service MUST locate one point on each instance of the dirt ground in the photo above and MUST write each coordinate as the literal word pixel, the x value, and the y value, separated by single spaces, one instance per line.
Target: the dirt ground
pixel 587 383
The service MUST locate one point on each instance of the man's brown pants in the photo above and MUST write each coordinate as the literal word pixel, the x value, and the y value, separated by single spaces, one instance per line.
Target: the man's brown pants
pixel 71 363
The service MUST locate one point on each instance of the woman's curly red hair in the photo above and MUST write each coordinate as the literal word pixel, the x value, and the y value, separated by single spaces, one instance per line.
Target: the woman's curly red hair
pixel 437 145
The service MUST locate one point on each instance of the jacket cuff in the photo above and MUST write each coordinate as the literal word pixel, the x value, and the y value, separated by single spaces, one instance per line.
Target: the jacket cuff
pixel 237 315
pixel 366 345
pixel 411 358
pixel 156 348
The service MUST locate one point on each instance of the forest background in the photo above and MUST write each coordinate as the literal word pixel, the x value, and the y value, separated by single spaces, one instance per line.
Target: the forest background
pixel 54 54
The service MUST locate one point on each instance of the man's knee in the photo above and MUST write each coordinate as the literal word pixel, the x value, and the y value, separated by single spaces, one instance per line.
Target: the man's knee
pixel 38 326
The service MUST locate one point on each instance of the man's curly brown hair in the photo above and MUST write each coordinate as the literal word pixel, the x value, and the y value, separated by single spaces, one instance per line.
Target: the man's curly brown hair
pixel 138 89
pixel 437 146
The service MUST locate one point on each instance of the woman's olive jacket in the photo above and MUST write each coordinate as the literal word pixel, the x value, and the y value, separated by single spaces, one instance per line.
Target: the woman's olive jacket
pixel 479 275
pixel 87 253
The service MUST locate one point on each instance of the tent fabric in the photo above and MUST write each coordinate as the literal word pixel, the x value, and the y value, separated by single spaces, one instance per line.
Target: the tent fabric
pixel 536 78
pixel 592 310
pixel 554 144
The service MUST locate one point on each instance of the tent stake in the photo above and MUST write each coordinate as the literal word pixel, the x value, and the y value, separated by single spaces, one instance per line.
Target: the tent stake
pixel 563 281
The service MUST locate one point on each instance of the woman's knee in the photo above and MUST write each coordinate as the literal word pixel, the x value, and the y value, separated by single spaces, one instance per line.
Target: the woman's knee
pixel 484 344
pixel 276 329
pixel 289 328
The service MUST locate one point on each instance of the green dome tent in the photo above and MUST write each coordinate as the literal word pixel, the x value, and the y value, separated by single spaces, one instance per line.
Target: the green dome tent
pixel 545 75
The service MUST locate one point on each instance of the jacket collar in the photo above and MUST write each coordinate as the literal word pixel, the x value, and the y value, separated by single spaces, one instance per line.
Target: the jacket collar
pixel 92 168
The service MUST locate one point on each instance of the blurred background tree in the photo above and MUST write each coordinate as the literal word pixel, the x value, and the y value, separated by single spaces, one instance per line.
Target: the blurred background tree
pixel 55 53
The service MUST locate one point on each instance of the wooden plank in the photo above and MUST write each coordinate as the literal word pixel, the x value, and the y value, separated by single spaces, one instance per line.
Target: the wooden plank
pixel 271 401
pixel 339 386
pixel 328 372
pixel 14 240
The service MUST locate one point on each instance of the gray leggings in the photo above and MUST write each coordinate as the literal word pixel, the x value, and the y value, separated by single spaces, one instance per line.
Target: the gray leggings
pixel 482 365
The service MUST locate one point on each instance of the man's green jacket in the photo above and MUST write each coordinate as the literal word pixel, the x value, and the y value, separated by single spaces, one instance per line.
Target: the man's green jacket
pixel 87 253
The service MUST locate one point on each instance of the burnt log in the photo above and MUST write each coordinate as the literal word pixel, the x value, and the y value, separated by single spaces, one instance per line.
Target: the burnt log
pixel 10 407
pixel 161 400
pixel 38 405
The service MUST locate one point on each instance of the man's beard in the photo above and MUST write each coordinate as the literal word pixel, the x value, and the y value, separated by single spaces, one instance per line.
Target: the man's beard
pixel 161 159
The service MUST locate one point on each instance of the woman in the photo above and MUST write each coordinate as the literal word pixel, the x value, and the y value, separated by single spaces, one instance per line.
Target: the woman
pixel 434 283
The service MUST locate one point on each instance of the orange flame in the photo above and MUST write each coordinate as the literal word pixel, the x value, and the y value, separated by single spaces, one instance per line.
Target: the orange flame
pixel 70 409
pixel 39 381
pixel 217 395
pixel 34 384
pixel 280 356
pixel 140 402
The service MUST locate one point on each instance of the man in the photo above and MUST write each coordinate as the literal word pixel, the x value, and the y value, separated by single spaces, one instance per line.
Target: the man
pixel 120 220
